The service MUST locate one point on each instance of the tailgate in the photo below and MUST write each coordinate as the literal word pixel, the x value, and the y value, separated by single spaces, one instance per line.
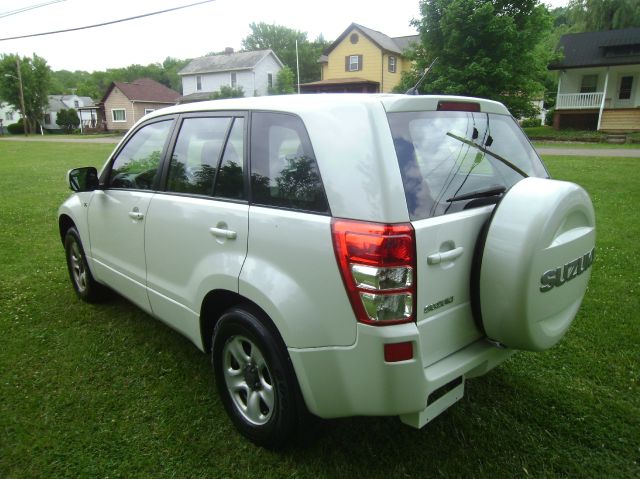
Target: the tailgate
pixel 445 248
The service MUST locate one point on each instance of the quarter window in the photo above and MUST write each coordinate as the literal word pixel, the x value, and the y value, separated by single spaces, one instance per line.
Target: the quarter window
pixel 136 166
pixel 284 172
pixel 119 115
pixel 196 155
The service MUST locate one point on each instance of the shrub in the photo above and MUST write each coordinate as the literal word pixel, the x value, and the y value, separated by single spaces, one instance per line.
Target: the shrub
pixel 548 118
pixel 228 92
pixel 16 128
pixel 527 122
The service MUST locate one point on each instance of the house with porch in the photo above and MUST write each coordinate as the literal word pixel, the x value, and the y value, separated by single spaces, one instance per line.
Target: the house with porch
pixel 255 72
pixel 84 106
pixel 599 81
pixel 362 60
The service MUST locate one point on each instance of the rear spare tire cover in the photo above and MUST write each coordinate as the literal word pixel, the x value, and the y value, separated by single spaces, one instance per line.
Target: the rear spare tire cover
pixel 535 263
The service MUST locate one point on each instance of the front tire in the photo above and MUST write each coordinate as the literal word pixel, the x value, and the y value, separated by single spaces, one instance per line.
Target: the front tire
pixel 255 379
pixel 87 288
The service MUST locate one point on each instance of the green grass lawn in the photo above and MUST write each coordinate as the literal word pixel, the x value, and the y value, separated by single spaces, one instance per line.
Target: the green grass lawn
pixel 106 391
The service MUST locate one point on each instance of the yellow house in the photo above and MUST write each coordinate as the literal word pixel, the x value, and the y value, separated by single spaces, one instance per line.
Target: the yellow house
pixel 362 60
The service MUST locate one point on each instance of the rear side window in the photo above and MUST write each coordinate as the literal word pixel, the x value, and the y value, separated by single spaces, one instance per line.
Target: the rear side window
pixel 196 155
pixel 441 158
pixel 284 172
pixel 230 179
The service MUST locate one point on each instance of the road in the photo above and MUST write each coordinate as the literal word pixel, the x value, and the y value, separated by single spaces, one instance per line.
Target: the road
pixel 572 151
pixel 52 139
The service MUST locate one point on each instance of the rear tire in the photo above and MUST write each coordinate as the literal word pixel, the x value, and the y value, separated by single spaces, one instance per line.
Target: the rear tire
pixel 87 288
pixel 255 379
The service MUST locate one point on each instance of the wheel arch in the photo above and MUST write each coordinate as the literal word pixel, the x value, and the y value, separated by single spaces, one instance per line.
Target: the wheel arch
pixel 64 223
pixel 216 302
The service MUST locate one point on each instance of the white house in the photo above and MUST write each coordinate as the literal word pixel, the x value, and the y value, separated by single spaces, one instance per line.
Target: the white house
pixel 87 111
pixel 599 81
pixel 8 115
pixel 254 71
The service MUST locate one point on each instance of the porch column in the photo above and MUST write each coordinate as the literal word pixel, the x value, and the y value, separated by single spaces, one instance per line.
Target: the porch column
pixel 604 95
pixel 559 85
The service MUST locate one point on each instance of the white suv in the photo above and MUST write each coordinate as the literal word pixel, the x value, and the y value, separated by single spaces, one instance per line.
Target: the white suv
pixel 337 254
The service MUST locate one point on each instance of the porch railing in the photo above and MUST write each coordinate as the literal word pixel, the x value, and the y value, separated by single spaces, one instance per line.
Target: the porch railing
pixel 579 100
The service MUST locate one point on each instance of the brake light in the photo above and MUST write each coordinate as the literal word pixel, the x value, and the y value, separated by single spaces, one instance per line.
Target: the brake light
pixel 458 106
pixel 377 264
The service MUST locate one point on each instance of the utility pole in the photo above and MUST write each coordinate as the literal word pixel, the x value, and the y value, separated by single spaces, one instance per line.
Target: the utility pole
pixel 25 122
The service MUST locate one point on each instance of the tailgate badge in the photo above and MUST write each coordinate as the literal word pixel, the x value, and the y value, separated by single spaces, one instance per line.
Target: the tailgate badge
pixel 437 305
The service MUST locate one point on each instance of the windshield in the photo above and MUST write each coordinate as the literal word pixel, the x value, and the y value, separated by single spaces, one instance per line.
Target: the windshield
pixel 449 160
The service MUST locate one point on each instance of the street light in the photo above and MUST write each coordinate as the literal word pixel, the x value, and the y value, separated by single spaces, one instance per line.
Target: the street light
pixel 25 123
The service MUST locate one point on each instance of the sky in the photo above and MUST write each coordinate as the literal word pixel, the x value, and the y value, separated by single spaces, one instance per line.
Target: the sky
pixel 187 33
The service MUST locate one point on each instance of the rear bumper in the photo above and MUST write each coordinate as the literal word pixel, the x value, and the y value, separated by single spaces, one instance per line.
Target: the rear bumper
pixel 356 380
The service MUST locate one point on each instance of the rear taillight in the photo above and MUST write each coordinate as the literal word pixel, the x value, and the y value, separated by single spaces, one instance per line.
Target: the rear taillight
pixel 377 263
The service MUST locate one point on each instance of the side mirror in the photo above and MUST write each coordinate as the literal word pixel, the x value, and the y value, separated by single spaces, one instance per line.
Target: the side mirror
pixel 83 179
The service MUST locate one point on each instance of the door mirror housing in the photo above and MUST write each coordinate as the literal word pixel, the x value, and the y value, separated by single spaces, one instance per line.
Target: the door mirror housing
pixel 83 179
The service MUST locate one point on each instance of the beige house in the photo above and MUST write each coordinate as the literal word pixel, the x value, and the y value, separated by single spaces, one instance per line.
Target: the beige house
pixel 125 103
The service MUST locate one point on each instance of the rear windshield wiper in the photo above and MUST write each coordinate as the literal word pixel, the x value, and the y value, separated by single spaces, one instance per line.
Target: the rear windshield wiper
pixel 484 193
pixel 484 150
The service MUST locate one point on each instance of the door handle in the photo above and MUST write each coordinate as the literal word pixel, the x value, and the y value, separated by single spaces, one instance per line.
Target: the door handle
pixel 136 215
pixel 222 233
pixel 445 256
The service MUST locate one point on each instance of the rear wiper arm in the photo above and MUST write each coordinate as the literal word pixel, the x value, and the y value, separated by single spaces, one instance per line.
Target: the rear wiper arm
pixel 487 192
pixel 484 150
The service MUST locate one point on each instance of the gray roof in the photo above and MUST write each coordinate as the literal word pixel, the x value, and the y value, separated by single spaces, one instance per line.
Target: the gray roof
pixel 55 103
pixel 595 49
pixel 391 44
pixel 227 62
pixel 62 102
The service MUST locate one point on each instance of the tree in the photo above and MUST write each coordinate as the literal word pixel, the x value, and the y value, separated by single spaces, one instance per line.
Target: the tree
pixel 282 40
pixel 597 15
pixel 36 77
pixel 68 119
pixel 485 48
pixel 284 82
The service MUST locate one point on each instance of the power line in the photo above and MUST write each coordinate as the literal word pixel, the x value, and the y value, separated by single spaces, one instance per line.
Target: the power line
pixel 26 9
pixel 106 23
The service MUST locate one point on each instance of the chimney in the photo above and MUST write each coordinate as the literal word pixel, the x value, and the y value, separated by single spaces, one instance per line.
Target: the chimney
pixel 228 51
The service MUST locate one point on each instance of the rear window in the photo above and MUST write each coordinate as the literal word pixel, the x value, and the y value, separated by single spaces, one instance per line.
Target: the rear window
pixel 441 158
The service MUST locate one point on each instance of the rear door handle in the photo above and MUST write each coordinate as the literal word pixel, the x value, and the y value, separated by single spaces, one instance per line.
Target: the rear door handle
pixel 136 215
pixel 222 233
pixel 445 256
